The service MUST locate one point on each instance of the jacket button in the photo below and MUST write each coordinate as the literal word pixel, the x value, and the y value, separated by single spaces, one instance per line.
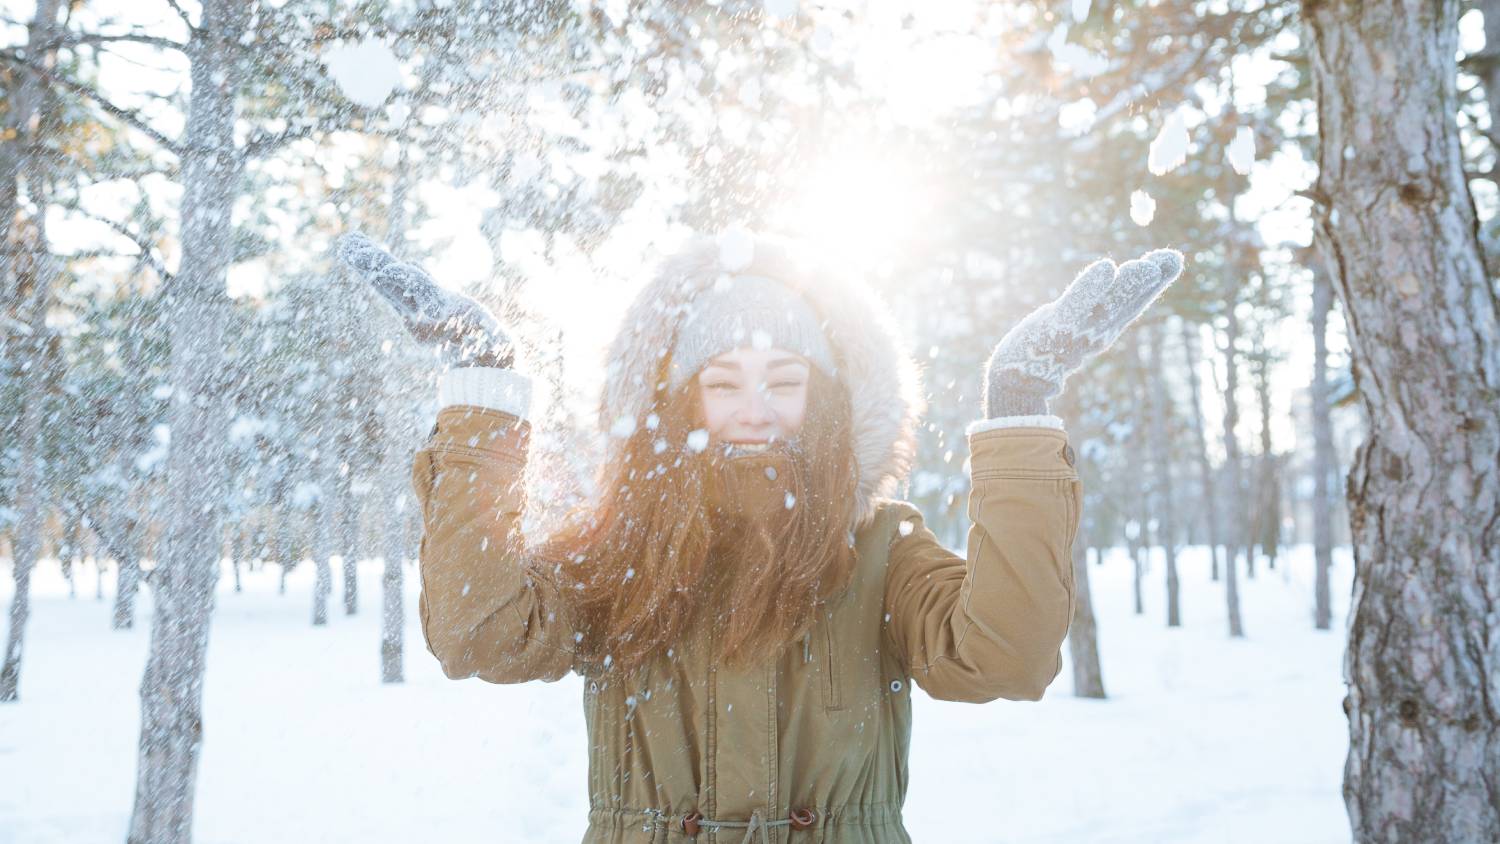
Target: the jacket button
pixel 895 685
pixel 690 823
pixel 803 819
pixel 1068 455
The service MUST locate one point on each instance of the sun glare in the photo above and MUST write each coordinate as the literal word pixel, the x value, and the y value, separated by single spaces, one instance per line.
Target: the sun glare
pixel 864 208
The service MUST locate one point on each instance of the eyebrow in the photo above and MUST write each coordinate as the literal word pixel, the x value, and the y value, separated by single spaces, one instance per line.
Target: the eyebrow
pixel 778 362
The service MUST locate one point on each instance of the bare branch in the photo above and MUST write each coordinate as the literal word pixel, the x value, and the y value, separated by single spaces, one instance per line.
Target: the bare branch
pixel 182 13
pixel 146 255
pixel 74 39
pixel 128 116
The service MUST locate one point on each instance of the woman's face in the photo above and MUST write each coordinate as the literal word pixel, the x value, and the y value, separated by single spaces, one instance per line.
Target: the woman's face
pixel 754 395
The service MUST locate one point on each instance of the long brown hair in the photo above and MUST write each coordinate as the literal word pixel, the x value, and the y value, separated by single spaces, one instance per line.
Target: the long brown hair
pixel 653 558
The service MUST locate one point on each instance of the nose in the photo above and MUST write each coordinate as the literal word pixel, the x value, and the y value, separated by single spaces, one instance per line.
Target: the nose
pixel 756 411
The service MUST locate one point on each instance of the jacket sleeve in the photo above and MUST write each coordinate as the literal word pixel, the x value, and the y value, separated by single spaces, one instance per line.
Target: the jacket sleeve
pixel 991 625
pixel 487 610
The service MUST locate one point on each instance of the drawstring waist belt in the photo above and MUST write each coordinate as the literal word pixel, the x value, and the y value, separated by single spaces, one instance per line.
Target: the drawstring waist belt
pixel 755 826
pixel 692 823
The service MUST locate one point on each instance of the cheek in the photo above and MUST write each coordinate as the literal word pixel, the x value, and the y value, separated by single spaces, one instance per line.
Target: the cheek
pixel 716 413
pixel 790 410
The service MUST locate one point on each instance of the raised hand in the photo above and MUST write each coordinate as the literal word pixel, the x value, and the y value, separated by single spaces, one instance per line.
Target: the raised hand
pixel 1033 360
pixel 465 332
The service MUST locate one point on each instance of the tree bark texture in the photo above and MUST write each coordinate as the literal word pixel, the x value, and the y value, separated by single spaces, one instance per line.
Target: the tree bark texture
pixel 1397 229
pixel 172 730
pixel 28 272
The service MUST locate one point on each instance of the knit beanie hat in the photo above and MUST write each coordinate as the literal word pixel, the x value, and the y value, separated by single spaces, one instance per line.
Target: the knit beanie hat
pixel 747 310
pixel 820 310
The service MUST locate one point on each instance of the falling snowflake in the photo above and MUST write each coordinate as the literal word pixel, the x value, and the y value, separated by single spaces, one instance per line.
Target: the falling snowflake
pixel 784 9
pixel 1241 150
pixel 697 440
pixel 1169 149
pixel 1142 208
pixel 736 248
pixel 623 427
pixel 365 72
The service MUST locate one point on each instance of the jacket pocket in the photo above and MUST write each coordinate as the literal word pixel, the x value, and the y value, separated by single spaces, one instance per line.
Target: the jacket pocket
pixel 833 688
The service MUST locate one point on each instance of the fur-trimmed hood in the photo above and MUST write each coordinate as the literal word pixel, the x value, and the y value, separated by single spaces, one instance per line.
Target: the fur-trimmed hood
pixel 880 375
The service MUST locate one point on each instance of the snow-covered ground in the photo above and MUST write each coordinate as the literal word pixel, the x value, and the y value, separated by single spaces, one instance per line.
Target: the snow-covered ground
pixel 1202 740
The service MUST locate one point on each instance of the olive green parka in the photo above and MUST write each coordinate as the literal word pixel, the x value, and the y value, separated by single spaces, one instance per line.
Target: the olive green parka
pixel 809 745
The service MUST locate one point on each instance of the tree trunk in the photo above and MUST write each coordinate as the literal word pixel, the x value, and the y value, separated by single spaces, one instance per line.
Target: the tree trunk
pixel 239 547
pixel 1083 639
pixel 27 260
pixel 1137 505
pixel 122 544
pixel 347 524
pixel 1161 459
pixel 68 555
pixel 1324 459
pixel 1397 229
pixel 322 567
pixel 395 460
pixel 1232 466
pixel 287 552
pixel 1268 478
pixel 1190 341
pixel 28 532
pixel 392 621
pixel 172 688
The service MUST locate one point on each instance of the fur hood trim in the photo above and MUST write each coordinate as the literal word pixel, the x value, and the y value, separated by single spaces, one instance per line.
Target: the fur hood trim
pixel 881 377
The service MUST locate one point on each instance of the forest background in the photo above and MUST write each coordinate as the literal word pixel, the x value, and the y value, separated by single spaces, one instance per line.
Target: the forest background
pixel 195 397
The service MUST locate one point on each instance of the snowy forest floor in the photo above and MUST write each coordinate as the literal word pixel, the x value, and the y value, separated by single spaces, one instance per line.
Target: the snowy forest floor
pixel 1203 739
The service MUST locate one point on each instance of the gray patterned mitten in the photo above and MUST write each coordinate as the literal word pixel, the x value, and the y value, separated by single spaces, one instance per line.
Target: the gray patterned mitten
pixel 466 333
pixel 1033 360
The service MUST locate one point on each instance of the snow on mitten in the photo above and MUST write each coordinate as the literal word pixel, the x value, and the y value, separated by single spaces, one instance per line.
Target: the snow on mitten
pixel 466 333
pixel 1033 360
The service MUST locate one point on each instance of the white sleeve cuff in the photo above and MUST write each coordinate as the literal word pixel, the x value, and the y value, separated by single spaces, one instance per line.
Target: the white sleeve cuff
pixel 504 390
pixel 1046 421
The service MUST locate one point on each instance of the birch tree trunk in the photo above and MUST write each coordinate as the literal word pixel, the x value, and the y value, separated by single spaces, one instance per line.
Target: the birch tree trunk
pixel 1398 232
pixel 1083 639
pixel 1232 469
pixel 1190 341
pixel 198 311
pixel 1324 459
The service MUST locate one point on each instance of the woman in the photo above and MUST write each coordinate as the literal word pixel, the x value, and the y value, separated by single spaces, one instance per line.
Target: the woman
pixel 747 608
